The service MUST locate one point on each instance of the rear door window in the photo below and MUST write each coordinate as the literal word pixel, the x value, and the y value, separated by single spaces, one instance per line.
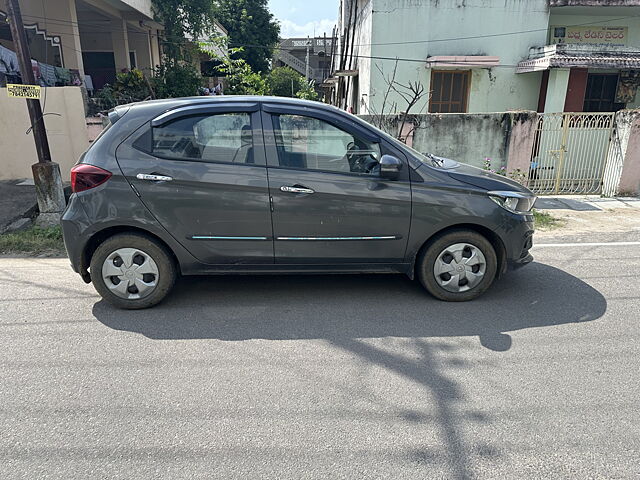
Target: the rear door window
pixel 222 137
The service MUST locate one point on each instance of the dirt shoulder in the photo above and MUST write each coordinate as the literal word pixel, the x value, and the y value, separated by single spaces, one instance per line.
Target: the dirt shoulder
pixel 605 220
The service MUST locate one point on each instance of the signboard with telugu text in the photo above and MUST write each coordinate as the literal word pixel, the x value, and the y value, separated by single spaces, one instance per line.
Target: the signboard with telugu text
pixel 596 35
pixel 23 91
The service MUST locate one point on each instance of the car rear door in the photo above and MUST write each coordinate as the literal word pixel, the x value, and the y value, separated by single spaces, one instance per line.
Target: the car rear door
pixel 201 171
pixel 330 205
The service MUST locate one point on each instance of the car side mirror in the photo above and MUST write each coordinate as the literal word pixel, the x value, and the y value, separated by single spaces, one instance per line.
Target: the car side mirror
pixel 390 167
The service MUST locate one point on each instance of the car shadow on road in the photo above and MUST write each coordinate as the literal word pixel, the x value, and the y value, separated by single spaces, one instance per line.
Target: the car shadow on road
pixel 336 307
pixel 346 311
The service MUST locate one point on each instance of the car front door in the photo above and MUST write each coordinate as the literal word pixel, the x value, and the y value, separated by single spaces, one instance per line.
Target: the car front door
pixel 329 203
pixel 201 172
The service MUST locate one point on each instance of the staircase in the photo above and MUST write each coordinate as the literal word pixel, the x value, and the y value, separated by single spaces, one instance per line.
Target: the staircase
pixel 293 62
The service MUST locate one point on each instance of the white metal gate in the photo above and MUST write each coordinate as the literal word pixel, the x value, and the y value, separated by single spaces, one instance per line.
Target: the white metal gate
pixel 570 153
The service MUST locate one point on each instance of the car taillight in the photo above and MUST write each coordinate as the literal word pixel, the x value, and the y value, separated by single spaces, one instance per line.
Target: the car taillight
pixel 85 177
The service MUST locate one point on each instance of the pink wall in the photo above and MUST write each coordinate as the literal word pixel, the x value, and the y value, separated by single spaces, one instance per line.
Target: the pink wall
pixel 521 141
pixel 94 128
pixel 630 180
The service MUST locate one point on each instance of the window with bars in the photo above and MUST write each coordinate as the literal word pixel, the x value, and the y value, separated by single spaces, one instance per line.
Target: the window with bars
pixel 449 91
pixel 600 94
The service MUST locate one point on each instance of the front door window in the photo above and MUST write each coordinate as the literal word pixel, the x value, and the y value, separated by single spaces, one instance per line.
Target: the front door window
pixel 312 144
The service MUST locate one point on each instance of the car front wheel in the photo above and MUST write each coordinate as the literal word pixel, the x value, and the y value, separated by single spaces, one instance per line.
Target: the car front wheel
pixel 458 266
pixel 132 271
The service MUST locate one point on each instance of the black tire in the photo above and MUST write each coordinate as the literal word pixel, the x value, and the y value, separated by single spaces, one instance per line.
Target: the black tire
pixel 166 267
pixel 427 258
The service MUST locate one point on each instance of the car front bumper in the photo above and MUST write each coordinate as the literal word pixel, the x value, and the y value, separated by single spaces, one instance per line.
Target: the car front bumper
pixel 519 263
pixel 518 240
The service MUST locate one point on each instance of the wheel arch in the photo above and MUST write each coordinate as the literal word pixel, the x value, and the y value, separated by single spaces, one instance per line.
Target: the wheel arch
pixel 490 235
pixel 101 235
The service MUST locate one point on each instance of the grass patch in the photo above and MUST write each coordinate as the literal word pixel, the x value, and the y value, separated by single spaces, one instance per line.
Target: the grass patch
pixel 34 240
pixel 546 221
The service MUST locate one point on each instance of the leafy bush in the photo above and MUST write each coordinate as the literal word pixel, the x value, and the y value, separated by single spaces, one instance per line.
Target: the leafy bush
pixel 307 92
pixel 241 80
pixel 284 82
pixel 129 87
pixel 174 79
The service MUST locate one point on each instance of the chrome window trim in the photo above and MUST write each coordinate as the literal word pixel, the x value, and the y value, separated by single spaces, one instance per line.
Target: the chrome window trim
pixel 384 237
pixel 218 237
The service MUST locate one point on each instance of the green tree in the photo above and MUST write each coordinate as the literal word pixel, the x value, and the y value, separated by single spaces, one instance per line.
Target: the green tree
pixel 240 78
pixel 181 19
pixel 251 26
pixel 284 82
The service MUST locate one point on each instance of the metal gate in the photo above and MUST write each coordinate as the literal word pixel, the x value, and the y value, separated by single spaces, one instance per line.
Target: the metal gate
pixel 570 153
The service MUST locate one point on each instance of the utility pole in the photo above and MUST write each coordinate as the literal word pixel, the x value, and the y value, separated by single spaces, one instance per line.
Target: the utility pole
pixel 306 66
pixel 46 174
pixel 324 52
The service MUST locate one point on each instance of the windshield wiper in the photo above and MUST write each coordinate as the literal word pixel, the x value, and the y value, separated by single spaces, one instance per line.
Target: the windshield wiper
pixel 436 161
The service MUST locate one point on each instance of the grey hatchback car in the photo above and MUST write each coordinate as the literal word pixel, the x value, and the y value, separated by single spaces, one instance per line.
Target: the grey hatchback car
pixel 238 185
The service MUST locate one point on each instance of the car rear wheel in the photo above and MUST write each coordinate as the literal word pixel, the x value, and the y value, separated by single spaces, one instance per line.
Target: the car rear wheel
pixel 132 271
pixel 458 266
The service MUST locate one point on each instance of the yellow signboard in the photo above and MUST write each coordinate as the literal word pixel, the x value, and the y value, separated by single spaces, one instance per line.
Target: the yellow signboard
pixel 23 91
pixel 596 35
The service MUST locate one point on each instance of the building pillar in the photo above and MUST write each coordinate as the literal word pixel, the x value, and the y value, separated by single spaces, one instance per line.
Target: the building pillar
pixel 557 90
pixel 73 56
pixel 155 48
pixel 150 51
pixel 139 43
pixel 628 131
pixel 120 42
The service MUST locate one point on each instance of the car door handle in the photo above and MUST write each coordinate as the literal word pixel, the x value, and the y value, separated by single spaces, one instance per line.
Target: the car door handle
pixel 153 178
pixel 295 189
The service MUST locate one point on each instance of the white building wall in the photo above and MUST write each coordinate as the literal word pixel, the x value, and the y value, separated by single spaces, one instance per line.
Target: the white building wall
pixel 415 30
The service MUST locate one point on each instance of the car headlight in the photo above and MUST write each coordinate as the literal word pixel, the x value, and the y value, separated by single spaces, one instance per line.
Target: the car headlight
pixel 515 202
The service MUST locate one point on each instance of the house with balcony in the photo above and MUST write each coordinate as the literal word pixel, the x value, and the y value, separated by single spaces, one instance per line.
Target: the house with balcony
pixel 93 39
pixel 488 55
pixel 74 44
pixel 292 52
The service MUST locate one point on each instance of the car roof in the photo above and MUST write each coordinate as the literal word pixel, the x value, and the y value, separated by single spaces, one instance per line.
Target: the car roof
pixel 170 103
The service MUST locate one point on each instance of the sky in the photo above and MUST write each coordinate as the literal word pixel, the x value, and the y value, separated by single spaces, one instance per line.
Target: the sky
pixel 299 18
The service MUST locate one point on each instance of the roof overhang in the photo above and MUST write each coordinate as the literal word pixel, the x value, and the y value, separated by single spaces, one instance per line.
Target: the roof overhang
pixel 579 56
pixel 330 82
pixel 346 73
pixel 468 61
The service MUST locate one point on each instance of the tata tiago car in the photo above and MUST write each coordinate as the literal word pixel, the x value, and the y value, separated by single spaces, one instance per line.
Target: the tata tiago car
pixel 263 185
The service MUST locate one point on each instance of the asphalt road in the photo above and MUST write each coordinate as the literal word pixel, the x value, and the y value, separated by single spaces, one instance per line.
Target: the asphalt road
pixel 326 377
